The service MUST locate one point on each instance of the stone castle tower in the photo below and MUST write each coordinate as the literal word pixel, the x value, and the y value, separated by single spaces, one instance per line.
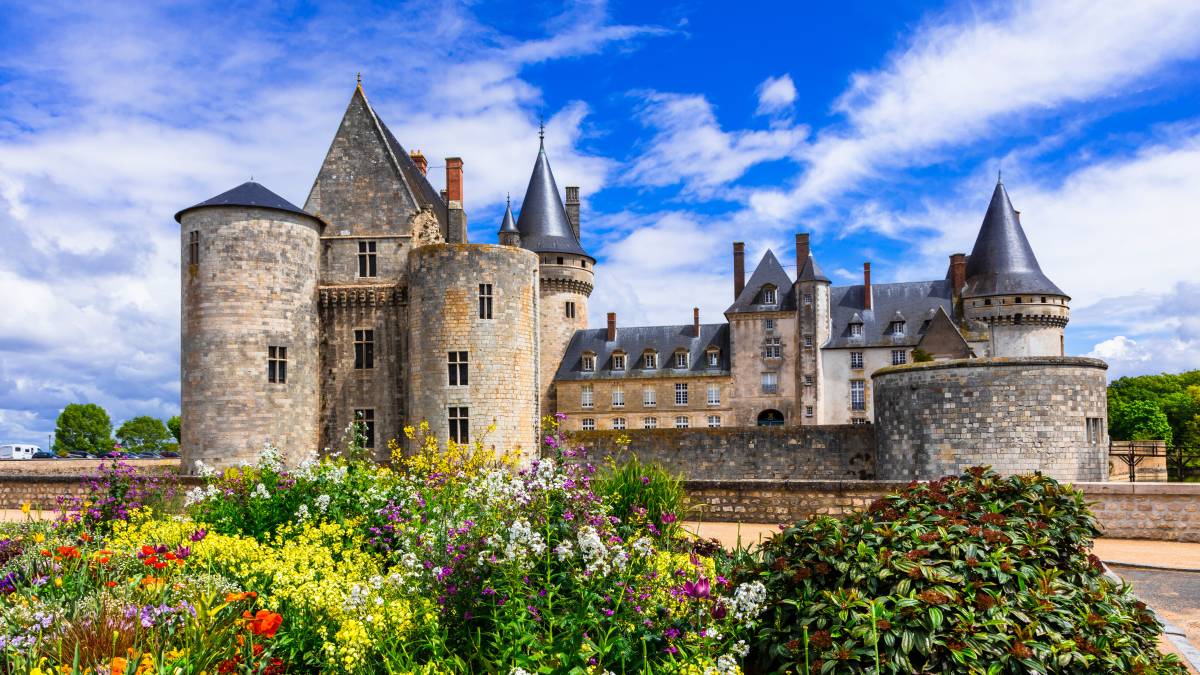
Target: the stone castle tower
pixel 369 305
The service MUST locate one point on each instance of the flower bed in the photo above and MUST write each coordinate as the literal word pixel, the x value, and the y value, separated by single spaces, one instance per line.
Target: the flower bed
pixel 458 561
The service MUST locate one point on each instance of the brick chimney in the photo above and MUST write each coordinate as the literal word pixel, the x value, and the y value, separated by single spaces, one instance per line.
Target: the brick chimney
pixel 456 217
pixel 612 326
pixel 454 179
pixel 573 208
pixel 739 268
pixel 958 274
pixel 801 251
pixel 866 285
pixel 419 159
pixel 696 320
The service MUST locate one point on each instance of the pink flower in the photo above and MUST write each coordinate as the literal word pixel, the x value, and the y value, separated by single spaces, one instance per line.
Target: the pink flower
pixel 698 589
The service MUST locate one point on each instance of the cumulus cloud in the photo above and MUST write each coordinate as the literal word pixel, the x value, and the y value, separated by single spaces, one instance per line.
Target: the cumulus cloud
pixel 776 94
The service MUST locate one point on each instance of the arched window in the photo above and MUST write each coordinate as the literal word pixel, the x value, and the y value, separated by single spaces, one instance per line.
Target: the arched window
pixel 770 418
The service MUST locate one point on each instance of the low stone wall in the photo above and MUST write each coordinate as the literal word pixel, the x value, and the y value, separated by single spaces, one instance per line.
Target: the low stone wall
pixel 841 452
pixel 42 493
pixel 1161 511
pixel 76 467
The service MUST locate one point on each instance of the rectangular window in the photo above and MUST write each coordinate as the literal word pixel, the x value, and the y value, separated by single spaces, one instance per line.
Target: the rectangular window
pixel 899 357
pixel 856 360
pixel 681 359
pixel 585 396
pixel 570 306
pixel 768 296
pixel 618 397
pixel 456 364
pixel 858 395
pixel 485 301
pixel 650 423
pixel 589 363
pixel 364 349
pixel 896 329
pixel 808 298
pixel 618 423
pixel 770 383
pixel 618 361
pixel 277 365
pixel 714 394
pixel 808 411
pixel 808 380
pixel 589 424
pixel 769 325
pixel 773 348
pixel 681 422
pixel 856 330
pixel 649 398
pixel 1095 430
pixel 367 259
pixel 460 424
pixel 651 360
pixel 681 393
pixel 808 340
pixel 858 420
pixel 714 358
pixel 714 421
pixel 365 420
pixel 194 247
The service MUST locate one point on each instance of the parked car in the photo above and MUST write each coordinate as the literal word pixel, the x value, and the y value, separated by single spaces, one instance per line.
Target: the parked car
pixel 170 454
pixel 78 454
pixel 18 451
pixel 44 454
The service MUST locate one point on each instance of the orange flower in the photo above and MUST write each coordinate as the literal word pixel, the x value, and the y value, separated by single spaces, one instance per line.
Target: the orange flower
pixel 148 550
pixel 238 597
pixel 110 584
pixel 68 551
pixel 85 537
pixel 118 665
pixel 263 624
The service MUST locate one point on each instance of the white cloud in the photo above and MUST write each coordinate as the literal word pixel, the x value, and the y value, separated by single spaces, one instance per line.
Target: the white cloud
pixel 776 94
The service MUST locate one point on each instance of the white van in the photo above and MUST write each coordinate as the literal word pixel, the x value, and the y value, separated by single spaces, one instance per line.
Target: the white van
pixel 17 451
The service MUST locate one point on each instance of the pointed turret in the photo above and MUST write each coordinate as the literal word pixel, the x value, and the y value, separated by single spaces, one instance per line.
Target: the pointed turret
pixel 543 223
pixel 249 193
pixel 1002 261
pixel 509 234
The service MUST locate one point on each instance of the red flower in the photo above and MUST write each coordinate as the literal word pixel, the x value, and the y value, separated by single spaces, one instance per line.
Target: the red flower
pixel 68 551
pixel 263 624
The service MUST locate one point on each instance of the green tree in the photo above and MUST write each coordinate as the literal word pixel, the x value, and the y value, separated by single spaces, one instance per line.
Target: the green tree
pixel 143 434
pixel 1138 421
pixel 83 427
pixel 174 425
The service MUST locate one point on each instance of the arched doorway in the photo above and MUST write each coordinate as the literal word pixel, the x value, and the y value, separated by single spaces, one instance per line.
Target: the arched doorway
pixel 770 418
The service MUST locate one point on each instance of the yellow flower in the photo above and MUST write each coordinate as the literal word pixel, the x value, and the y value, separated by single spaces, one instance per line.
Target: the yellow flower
pixel 25 508
pixel 39 538
pixel 58 582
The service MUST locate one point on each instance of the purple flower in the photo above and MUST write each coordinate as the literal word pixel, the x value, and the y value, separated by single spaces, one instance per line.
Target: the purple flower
pixel 719 611
pixel 560 416
pixel 645 480
pixel 183 552
pixel 697 589
pixel 668 518
pixel 671 633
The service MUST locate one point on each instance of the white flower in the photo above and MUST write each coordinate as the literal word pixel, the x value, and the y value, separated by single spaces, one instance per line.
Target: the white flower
pixel 260 492
pixel 323 503
pixel 564 551
pixel 741 649
pixel 193 496
pixel 204 471
pixel 523 541
pixel 643 547
pixel 301 513
pixel 748 600
pixel 270 458
pixel 519 671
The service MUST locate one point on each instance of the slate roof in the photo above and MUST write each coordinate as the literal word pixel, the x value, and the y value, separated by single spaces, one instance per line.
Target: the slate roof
pixel 634 341
pixel 769 271
pixel 916 301
pixel 1002 261
pixel 811 271
pixel 250 193
pixel 543 221
pixel 423 192
pixel 507 225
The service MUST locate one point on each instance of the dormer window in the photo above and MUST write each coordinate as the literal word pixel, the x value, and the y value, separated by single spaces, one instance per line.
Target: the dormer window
pixel 714 358
pixel 856 330
pixel 681 359
pixel 589 362
pixel 650 359
pixel 618 361
pixel 769 295
pixel 896 329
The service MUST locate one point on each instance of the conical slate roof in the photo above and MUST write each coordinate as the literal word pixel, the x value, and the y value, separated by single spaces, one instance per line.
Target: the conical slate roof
pixel 507 225
pixel 1002 261
pixel 769 271
pixel 249 194
pixel 543 221
pixel 811 271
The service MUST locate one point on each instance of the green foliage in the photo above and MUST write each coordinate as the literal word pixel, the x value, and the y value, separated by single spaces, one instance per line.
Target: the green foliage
pixel 83 427
pixel 642 492
pixel 921 356
pixel 1138 421
pixel 174 424
pixel 1177 396
pixel 143 434
pixel 968 574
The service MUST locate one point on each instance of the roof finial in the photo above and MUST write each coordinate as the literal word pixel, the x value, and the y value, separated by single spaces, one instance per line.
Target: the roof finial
pixel 541 131
pixel 999 176
pixel 508 199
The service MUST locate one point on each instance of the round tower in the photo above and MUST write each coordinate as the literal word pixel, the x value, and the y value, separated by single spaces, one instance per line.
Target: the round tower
pixel 566 270
pixel 249 328
pixel 473 360
pixel 1005 290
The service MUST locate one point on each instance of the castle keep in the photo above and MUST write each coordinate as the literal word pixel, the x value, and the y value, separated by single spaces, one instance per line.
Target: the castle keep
pixel 369 304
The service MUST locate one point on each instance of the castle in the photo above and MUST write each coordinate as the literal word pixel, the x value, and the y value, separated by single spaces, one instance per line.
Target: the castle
pixel 369 304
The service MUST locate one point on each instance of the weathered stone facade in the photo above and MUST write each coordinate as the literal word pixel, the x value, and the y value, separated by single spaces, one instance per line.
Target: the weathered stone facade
pixel 502 351
pixel 566 285
pixel 662 414
pixel 1017 415
pixel 253 286
pixel 748 334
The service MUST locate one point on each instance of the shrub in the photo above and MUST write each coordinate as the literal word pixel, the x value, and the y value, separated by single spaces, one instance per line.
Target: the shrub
pixel 967 574
pixel 143 434
pixel 642 493
pixel 115 492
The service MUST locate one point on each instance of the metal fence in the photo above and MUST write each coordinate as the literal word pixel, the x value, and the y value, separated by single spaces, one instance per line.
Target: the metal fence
pixel 1182 464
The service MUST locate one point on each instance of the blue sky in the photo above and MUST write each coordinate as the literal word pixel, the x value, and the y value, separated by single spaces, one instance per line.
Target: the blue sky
pixel 687 124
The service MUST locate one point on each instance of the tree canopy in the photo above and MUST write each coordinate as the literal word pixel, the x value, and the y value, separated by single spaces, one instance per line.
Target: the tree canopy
pixel 83 427
pixel 143 434
pixel 174 424
pixel 1165 406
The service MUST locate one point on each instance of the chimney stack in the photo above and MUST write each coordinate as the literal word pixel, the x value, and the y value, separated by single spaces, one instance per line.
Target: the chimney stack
pixel 866 285
pixel 696 320
pixel 739 268
pixel 1018 216
pixel 456 217
pixel 418 158
pixel 612 326
pixel 801 251
pixel 958 274
pixel 573 208
pixel 454 179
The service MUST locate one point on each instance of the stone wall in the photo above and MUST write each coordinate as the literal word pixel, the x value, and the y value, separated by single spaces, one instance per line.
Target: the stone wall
pixel 76 467
pixel 254 287
pixel 747 335
pixel 1159 511
pixel 827 452
pixel 1015 414
pixel 502 351
pixel 570 282
pixel 635 412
